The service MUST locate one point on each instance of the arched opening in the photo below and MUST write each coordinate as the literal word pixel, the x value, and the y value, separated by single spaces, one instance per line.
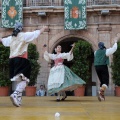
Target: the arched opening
pixel 66 46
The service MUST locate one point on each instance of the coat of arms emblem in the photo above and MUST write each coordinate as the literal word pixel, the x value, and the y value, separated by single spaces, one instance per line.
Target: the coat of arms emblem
pixel 12 12
pixel 75 13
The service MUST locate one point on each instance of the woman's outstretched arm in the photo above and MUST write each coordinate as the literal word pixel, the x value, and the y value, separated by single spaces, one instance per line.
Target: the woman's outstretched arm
pixel 73 45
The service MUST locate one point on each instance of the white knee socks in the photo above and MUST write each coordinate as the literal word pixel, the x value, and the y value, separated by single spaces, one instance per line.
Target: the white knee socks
pixel 21 86
pixel 104 87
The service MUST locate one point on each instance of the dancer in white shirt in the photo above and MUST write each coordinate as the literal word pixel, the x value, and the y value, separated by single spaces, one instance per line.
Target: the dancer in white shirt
pixel 101 62
pixel 19 64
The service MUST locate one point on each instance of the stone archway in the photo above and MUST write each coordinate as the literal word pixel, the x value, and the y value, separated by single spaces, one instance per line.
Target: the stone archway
pixel 85 35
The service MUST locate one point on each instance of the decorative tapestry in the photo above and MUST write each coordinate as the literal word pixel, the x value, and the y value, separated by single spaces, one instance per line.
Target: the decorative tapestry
pixel 75 14
pixel 12 12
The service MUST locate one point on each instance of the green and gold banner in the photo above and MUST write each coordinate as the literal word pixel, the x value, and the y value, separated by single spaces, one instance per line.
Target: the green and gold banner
pixel 12 12
pixel 74 14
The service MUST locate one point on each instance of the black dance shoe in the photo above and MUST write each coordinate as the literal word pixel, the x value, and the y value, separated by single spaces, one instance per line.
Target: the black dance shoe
pixel 64 98
pixel 58 100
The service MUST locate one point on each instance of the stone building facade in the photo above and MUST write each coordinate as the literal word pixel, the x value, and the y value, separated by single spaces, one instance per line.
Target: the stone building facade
pixel 100 27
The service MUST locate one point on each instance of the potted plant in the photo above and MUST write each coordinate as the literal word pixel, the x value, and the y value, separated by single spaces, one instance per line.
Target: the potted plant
pixel 4 71
pixel 33 57
pixel 81 64
pixel 116 71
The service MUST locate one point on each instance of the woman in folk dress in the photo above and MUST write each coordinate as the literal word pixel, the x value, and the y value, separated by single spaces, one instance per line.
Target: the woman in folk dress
pixel 61 78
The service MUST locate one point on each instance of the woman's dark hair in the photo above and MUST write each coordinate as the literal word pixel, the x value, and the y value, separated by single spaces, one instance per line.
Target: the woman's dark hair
pixel 15 32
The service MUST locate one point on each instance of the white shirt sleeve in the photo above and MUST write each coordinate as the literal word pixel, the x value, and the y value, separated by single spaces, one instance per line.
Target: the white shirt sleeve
pixel 94 53
pixel 6 41
pixel 68 56
pixel 111 50
pixel 48 56
pixel 30 36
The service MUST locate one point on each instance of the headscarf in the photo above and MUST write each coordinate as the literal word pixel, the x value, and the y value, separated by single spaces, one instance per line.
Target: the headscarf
pixel 18 26
pixel 101 45
pixel 17 29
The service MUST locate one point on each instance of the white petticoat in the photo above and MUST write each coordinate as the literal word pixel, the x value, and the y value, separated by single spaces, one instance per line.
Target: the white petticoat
pixel 56 77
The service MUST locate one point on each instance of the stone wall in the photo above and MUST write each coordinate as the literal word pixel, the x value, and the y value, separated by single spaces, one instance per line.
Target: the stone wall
pixel 99 28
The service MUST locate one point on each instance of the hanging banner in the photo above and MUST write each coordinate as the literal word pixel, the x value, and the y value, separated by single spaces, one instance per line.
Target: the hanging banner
pixel 74 14
pixel 12 12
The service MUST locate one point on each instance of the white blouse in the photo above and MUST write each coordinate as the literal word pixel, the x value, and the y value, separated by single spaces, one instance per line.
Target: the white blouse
pixel 48 56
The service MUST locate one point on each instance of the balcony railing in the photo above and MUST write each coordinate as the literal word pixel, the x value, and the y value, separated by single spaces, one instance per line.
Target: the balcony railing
pixel 28 3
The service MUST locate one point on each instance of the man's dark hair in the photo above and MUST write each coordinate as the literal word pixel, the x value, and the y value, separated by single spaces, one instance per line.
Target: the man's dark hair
pixel 15 32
